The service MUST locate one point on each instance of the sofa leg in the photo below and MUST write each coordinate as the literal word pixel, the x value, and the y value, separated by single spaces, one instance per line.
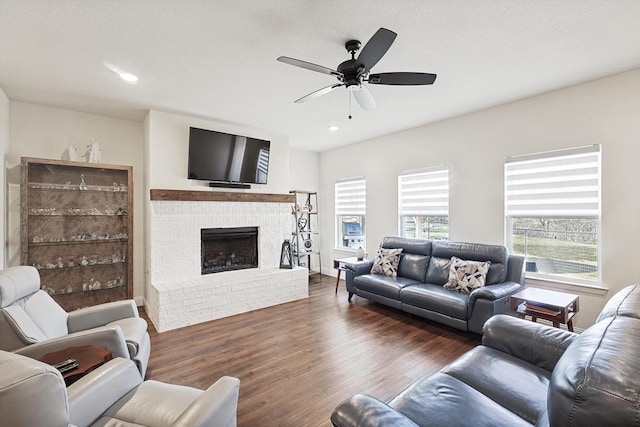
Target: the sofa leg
pixel 350 295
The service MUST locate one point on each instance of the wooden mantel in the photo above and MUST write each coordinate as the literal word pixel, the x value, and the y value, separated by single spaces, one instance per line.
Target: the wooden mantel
pixel 218 196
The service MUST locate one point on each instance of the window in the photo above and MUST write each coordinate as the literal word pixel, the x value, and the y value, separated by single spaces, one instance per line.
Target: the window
pixel 553 212
pixel 351 204
pixel 423 204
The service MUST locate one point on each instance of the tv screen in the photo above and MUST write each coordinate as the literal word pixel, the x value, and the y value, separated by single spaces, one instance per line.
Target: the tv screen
pixel 222 157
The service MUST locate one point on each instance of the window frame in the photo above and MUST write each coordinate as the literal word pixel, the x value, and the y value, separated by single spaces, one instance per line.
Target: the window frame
pixel 432 200
pixel 350 200
pixel 562 195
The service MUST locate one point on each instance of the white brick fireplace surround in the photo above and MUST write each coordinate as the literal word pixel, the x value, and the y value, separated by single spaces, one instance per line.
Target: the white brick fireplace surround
pixel 178 295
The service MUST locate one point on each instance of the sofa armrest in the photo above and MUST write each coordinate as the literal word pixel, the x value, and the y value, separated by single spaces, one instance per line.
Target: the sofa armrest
pixel 515 269
pixel 216 406
pixel 538 344
pixel 93 394
pixel 363 410
pixel 494 292
pixel 109 336
pixel 354 270
pixel 359 268
pixel 100 315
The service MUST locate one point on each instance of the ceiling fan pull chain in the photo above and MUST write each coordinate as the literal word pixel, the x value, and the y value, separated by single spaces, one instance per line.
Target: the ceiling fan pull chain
pixel 350 95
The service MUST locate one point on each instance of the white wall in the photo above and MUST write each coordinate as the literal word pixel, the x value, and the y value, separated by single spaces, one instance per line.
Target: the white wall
pixel 304 170
pixel 45 132
pixel 168 148
pixel 605 111
pixel 4 147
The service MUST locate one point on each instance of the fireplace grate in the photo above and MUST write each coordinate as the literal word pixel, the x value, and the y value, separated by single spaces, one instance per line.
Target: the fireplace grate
pixel 228 249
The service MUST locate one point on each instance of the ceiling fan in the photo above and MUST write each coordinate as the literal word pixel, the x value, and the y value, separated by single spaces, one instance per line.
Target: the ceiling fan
pixel 353 72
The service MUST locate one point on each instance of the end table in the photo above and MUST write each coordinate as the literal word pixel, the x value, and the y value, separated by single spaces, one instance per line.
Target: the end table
pixel 89 357
pixel 558 307
pixel 341 263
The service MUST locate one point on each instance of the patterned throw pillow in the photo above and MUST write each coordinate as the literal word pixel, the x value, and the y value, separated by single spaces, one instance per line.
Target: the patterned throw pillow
pixel 386 262
pixel 465 276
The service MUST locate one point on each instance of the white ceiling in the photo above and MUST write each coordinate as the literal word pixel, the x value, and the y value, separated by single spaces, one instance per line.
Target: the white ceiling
pixel 217 59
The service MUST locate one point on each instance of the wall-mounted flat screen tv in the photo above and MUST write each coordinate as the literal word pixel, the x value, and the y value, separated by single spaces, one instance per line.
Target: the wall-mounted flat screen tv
pixel 223 157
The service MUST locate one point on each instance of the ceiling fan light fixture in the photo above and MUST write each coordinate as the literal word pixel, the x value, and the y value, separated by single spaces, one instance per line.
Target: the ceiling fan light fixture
pixel 352 72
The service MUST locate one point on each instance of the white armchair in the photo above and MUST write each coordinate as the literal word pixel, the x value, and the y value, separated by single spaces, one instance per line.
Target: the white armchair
pixel 33 324
pixel 33 394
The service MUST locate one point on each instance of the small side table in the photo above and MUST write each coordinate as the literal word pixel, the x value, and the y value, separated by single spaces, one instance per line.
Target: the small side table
pixel 89 357
pixel 341 263
pixel 558 307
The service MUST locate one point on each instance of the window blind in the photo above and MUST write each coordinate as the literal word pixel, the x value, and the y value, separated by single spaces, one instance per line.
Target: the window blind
pixel 424 193
pixel 351 197
pixel 263 161
pixel 559 184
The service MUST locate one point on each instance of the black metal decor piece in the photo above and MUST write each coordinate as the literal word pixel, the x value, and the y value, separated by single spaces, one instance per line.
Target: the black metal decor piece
pixel 285 255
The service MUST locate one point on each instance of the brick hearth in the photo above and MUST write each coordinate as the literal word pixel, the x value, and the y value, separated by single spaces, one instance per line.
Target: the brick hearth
pixel 178 295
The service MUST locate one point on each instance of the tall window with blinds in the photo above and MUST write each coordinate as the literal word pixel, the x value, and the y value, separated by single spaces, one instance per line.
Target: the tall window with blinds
pixel 423 204
pixel 351 210
pixel 552 206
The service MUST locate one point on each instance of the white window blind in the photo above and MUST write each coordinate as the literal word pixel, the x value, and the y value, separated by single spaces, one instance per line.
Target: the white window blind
pixel 351 197
pixel 263 161
pixel 424 193
pixel 560 184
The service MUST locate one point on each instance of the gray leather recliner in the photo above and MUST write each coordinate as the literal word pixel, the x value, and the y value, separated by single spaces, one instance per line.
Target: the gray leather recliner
pixel 33 394
pixel 33 324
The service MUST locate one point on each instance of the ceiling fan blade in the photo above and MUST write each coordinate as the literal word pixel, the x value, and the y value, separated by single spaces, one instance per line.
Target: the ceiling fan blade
pixel 318 93
pixel 402 79
pixel 376 47
pixel 309 66
pixel 365 99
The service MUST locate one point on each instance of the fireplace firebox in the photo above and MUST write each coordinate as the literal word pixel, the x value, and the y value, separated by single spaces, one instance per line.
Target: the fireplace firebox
pixel 226 249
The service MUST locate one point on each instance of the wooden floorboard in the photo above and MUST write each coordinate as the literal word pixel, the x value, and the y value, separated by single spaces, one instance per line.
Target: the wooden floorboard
pixel 297 361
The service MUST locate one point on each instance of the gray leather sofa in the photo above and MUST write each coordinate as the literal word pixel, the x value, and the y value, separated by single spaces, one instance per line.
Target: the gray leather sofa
pixel 33 394
pixel 525 374
pixel 424 269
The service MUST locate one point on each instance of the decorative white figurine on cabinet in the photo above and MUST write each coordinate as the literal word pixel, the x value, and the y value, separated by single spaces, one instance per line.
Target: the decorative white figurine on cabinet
pixel 73 152
pixel 94 154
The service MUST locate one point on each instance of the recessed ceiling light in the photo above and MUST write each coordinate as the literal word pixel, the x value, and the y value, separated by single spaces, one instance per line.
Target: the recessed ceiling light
pixel 334 128
pixel 129 78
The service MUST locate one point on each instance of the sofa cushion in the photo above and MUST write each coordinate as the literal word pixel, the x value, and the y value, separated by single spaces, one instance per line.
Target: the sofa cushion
pixel 442 400
pixel 16 283
pixel 465 276
pixel 435 298
pixel 386 262
pixel 595 382
pixel 442 251
pixel 152 403
pixel 383 285
pixel 511 382
pixel 50 318
pixel 408 245
pixel 413 266
pixel 134 330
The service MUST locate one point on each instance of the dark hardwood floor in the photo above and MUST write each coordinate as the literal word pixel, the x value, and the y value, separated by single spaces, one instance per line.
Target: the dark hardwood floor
pixel 297 361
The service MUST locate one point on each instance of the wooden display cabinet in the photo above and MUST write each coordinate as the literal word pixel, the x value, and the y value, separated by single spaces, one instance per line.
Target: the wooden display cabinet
pixel 77 229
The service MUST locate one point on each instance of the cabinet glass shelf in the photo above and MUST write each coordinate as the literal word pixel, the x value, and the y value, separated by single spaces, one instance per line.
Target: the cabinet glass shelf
pixel 73 213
